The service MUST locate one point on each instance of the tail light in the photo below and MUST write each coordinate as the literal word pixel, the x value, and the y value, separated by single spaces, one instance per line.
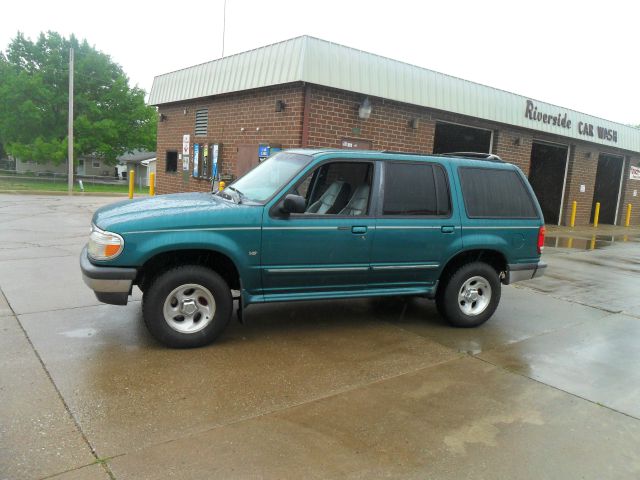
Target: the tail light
pixel 541 233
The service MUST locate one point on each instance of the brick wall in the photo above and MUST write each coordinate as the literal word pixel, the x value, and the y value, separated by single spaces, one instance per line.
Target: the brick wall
pixel 583 164
pixel 228 115
pixel 332 116
pixel 628 186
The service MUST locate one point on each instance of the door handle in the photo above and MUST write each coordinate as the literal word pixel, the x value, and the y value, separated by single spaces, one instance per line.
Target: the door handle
pixel 360 230
pixel 448 229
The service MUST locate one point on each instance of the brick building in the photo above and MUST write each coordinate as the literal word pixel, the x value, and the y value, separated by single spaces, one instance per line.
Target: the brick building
pixel 307 92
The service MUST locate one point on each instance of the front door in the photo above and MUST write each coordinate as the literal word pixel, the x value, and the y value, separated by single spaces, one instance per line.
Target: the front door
pixel 415 228
pixel 324 251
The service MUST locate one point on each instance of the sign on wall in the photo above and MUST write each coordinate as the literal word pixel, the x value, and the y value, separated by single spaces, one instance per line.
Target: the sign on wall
pixel 634 173
pixel 562 121
pixel 196 153
pixel 214 155
pixel 186 139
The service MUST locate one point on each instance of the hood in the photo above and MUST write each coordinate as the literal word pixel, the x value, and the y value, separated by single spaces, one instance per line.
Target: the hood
pixel 181 210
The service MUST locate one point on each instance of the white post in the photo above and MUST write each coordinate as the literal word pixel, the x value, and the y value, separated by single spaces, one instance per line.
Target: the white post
pixel 70 134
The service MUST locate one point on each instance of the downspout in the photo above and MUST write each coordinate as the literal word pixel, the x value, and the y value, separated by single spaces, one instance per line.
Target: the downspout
pixel 305 116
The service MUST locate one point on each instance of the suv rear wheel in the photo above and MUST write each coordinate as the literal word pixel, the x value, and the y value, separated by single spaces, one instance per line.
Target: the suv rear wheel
pixel 470 296
pixel 188 306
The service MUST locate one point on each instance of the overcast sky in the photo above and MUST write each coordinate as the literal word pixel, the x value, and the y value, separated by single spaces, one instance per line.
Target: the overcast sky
pixel 577 54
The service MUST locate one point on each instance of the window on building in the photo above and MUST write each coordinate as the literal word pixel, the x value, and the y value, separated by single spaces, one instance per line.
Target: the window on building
pixel 415 189
pixel 202 121
pixel 493 193
pixel 95 163
pixel 451 137
pixel 171 162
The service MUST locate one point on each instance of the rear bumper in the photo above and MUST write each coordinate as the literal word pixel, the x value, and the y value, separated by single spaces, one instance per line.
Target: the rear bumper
pixel 110 284
pixel 517 272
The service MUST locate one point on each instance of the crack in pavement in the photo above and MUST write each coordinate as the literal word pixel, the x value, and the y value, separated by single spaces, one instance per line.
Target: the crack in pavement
pixel 58 392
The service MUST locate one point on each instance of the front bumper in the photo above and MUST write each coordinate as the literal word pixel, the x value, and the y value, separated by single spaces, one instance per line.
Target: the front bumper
pixel 110 284
pixel 516 272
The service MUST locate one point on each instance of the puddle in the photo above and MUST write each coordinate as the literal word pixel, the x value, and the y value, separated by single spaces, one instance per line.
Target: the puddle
pixel 593 243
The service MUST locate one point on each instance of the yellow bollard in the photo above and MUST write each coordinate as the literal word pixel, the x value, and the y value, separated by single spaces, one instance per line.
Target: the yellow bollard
pixel 574 207
pixel 221 186
pixel 570 242
pixel 152 184
pixel 596 215
pixel 131 183
pixel 592 245
pixel 627 219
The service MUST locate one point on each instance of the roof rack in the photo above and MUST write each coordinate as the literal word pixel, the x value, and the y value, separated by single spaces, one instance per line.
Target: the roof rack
pixel 477 155
pixel 490 157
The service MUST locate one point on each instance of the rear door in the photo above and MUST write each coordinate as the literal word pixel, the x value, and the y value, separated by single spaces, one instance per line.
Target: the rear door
pixel 416 226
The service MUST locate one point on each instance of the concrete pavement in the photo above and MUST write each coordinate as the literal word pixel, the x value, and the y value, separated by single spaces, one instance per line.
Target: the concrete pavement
pixel 548 388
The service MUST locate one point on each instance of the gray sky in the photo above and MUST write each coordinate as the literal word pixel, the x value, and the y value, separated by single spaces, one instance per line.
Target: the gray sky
pixel 577 54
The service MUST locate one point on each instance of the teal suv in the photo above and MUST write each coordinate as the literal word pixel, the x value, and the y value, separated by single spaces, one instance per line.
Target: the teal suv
pixel 321 224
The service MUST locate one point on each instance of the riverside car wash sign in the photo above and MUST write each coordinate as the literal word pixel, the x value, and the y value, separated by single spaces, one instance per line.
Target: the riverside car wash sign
pixel 563 121
pixel 634 173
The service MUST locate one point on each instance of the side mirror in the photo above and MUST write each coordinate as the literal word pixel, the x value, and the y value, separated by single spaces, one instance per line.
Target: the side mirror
pixel 294 204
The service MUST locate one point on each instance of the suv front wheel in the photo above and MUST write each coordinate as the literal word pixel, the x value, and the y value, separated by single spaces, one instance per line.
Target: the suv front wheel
pixel 470 295
pixel 187 306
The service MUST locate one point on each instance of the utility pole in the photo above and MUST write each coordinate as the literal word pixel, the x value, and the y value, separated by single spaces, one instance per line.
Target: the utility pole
pixel 224 24
pixel 70 134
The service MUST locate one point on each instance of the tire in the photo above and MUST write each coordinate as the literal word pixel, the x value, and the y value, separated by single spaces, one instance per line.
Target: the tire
pixel 470 295
pixel 187 307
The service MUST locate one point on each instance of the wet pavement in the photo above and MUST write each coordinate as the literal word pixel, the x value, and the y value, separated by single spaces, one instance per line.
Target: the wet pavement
pixel 548 388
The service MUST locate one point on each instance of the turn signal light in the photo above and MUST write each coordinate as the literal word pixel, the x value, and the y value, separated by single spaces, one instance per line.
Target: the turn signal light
pixel 541 233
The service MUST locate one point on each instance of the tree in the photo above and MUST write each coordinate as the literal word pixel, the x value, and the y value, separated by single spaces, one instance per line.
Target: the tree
pixel 110 118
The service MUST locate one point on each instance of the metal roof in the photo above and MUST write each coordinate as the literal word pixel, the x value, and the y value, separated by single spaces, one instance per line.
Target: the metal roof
pixel 136 156
pixel 311 60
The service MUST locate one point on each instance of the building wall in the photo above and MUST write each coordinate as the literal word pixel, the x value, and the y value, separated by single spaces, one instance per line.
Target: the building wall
pixel 103 170
pixel 583 164
pixel 253 111
pixel 628 186
pixel 332 116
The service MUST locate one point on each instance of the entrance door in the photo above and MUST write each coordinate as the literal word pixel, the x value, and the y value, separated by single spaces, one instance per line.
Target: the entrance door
pixel 451 137
pixel 547 174
pixel 246 159
pixel 607 187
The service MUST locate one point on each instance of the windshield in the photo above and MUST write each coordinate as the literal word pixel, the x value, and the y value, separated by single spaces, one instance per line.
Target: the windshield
pixel 259 184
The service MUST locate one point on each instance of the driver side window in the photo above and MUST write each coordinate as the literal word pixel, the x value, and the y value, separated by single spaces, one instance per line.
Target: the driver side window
pixel 337 188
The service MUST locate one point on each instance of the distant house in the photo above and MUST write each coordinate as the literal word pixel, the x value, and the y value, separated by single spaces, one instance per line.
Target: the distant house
pixel 92 165
pixel 141 162
pixel 89 165
pixel 31 166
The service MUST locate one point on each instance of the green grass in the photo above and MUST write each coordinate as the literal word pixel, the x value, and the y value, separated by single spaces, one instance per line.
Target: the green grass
pixel 61 186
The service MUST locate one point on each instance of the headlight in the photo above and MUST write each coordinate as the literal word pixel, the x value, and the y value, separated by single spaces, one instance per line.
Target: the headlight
pixel 104 245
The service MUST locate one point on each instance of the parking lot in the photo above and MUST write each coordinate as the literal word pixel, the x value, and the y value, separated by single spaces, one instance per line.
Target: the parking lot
pixel 548 388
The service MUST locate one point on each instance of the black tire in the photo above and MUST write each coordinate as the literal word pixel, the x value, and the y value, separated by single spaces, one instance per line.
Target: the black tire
pixel 463 301
pixel 199 288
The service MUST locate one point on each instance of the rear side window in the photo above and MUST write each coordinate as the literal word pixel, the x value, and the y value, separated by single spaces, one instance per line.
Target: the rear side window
pixel 415 189
pixel 492 193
